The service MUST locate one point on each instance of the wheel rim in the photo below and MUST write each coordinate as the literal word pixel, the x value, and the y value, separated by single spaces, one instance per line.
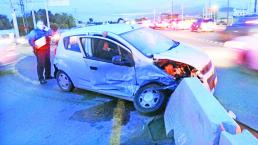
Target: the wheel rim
pixel 64 81
pixel 149 98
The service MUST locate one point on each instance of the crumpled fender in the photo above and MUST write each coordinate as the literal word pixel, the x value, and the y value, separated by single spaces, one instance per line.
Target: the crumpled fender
pixel 149 74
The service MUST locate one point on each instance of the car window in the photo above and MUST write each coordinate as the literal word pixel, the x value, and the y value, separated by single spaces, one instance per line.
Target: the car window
pixel 72 43
pixel 126 56
pixel 103 49
pixel 84 45
pixel 149 41
pixel 111 38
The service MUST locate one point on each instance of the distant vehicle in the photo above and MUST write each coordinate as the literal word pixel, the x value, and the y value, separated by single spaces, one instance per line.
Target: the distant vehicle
pixel 159 25
pixel 242 26
pixel 141 20
pixel 8 53
pixel 182 24
pixel 247 49
pixel 129 62
pixel 221 22
pixel 204 25
pixel 145 22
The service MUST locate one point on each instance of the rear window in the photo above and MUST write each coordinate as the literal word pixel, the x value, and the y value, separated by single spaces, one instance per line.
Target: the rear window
pixel 72 43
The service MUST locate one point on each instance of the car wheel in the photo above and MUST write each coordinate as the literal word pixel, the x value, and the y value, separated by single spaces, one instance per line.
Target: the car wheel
pixel 64 82
pixel 148 99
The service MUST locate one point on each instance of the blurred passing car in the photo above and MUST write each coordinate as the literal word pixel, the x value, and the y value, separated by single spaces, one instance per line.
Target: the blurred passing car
pixel 129 62
pixel 242 26
pixel 145 23
pixel 8 53
pixel 159 25
pixel 203 25
pixel 247 49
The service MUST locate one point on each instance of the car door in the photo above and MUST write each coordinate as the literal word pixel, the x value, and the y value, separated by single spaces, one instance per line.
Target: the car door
pixel 105 75
pixel 75 62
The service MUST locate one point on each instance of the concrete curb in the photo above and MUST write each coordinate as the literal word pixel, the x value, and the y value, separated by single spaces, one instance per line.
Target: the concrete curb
pixel 194 116
pixel 17 72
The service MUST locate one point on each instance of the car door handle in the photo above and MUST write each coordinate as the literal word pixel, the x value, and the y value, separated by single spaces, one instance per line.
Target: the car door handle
pixel 93 68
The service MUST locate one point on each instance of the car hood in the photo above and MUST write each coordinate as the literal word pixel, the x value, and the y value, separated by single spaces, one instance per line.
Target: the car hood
pixel 185 54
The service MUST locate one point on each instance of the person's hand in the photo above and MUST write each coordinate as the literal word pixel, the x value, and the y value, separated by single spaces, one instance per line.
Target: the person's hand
pixel 36 47
pixel 46 28
pixel 35 51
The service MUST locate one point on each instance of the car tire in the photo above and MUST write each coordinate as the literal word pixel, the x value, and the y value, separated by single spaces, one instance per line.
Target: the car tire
pixel 64 81
pixel 149 99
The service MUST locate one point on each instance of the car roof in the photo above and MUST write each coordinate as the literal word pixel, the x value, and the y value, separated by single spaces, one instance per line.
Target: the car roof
pixel 113 28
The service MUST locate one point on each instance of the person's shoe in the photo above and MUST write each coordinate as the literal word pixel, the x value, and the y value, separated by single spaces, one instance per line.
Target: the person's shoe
pixel 42 82
pixel 49 78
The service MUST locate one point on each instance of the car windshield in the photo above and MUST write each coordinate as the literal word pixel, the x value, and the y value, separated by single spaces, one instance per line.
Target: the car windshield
pixel 148 41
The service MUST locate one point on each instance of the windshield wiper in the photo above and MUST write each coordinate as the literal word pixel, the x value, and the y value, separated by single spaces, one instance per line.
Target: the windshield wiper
pixel 176 43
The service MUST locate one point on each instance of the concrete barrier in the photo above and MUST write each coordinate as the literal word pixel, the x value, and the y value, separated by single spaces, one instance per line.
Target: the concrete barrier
pixel 245 138
pixel 194 116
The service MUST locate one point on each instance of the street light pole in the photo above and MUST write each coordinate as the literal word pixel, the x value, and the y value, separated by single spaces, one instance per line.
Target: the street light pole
pixel 255 5
pixel 154 15
pixel 182 7
pixel 47 16
pixel 15 24
pixel 23 16
pixel 209 9
pixel 33 19
pixel 228 12
pixel 172 7
pixel 32 13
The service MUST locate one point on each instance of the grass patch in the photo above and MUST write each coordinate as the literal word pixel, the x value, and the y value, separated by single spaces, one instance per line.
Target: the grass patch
pixel 7 72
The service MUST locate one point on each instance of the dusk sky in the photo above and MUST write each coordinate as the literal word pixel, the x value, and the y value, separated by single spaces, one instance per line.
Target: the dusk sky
pixel 101 9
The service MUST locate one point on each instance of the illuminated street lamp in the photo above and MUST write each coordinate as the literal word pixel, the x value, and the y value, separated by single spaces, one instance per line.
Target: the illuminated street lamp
pixel 214 9
pixel 227 12
pixel 172 8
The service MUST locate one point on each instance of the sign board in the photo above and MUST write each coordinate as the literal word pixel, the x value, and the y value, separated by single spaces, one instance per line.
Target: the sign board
pixel 41 42
pixel 240 12
pixel 58 2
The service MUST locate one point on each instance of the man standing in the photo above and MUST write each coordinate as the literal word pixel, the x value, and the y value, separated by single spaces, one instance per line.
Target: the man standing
pixel 39 39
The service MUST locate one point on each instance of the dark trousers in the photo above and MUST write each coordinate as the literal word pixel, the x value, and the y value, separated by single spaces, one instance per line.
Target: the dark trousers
pixel 43 63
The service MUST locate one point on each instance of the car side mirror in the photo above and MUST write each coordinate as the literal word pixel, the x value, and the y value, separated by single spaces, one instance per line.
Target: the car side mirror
pixel 118 60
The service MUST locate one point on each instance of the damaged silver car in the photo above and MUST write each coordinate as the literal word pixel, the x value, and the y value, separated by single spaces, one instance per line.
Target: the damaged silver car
pixel 129 62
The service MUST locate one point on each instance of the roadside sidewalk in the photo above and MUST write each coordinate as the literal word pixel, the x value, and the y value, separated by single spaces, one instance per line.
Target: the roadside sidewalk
pixel 11 52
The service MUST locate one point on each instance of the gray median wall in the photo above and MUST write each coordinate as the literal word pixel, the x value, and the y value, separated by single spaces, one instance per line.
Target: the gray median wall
pixel 195 117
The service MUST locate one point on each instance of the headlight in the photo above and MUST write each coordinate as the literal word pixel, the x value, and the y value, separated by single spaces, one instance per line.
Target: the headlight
pixel 176 69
